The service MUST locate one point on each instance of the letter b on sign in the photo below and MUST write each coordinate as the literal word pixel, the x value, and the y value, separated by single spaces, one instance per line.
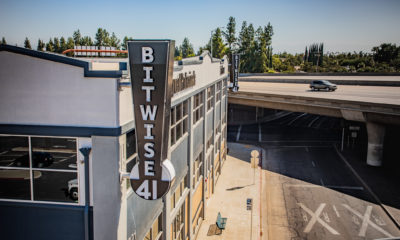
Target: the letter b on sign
pixel 147 55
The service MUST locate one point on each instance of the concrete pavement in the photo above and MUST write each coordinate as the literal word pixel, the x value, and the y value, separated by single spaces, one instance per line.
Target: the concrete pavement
pixel 236 184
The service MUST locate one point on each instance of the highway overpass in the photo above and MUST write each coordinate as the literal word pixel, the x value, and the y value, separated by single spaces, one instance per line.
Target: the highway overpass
pixel 377 106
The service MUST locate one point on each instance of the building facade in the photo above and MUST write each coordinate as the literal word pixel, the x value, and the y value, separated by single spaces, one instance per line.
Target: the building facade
pixel 67 138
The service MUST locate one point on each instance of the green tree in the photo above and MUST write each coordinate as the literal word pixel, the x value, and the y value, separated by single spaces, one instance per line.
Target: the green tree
pixel 70 45
pixel 218 46
pixel 102 37
pixel 57 46
pixel 87 41
pixel 40 45
pixel 386 53
pixel 63 45
pixel 50 46
pixel 186 48
pixel 27 43
pixel 3 40
pixel 77 37
pixel 177 53
pixel 124 42
pixel 246 47
pixel 230 34
pixel 114 41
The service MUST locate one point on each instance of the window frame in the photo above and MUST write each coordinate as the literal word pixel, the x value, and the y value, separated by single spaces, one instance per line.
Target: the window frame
pixel 79 172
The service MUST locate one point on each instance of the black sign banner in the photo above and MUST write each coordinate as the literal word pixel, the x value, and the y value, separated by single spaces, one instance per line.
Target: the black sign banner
pixel 151 68
pixel 234 75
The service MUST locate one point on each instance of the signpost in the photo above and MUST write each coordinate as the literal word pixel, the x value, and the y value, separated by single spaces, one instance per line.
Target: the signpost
pixel 151 68
pixel 254 162
pixel 234 75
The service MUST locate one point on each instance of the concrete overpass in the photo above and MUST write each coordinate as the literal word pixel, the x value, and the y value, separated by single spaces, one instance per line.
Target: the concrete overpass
pixel 377 106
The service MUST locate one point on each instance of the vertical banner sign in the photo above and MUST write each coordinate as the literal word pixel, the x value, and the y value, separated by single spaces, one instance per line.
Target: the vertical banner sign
pixel 151 66
pixel 235 72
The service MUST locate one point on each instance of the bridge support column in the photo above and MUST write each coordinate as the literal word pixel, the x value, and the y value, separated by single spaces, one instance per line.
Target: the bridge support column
pixel 376 135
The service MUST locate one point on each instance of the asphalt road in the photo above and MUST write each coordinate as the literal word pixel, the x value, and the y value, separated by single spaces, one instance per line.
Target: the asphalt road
pixel 309 192
pixel 369 94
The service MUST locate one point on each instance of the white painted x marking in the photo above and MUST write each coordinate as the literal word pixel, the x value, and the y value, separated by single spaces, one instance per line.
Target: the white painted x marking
pixel 366 221
pixel 315 217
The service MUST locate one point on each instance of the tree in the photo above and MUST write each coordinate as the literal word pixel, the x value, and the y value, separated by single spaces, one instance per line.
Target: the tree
pixel 386 52
pixel 50 46
pixel 186 48
pixel 124 42
pixel 229 34
pixel 56 45
pixel 70 45
pixel 3 40
pixel 77 37
pixel 102 37
pixel 40 45
pixel 63 45
pixel 218 46
pixel 246 47
pixel 177 54
pixel 87 41
pixel 27 43
pixel 114 41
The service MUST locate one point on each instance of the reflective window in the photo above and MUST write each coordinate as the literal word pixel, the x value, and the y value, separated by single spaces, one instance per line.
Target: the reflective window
pixel 198 107
pixel 210 97
pixel 130 144
pixel 45 164
pixel 179 121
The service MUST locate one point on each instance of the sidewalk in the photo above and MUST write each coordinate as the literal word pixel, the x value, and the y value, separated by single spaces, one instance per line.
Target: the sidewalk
pixel 235 185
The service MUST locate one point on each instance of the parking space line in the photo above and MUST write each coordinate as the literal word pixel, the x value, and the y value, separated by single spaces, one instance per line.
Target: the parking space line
pixel 336 211
pixel 313 121
pixel 238 133
pixel 315 218
pixel 313 163
pixel 290 123
pixel 366 221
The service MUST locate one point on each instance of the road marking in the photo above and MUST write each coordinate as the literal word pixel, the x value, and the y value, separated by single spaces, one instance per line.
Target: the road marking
pixel 336 211
pixel 238 133
pixel 366 221
pixel 307 149
pixel 313 163
pixel 315 217
pixel 313 121
pixel 3 152
pixel 290 123
pixel 346 187
pixel 322 182
pixel 379 220
pixel 259 133
pixel 326 217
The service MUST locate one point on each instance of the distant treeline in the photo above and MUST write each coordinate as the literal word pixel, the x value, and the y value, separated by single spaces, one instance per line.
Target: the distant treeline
pixel 255 48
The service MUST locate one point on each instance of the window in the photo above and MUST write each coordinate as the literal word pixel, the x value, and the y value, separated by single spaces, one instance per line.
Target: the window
pixel 130 144
pixel 155 232
pixel 198 107
pixel 224 86
pixel 178 224
pixel 210 97
pixel 197 169
pixel 178 192
pixel 217 145
pixel 179 121
pixel 209 161
pixel 38 168
pixel 218 92
pixel 209 141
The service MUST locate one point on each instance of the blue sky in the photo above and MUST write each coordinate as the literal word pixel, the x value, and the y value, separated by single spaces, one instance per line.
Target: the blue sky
pixel 352 25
